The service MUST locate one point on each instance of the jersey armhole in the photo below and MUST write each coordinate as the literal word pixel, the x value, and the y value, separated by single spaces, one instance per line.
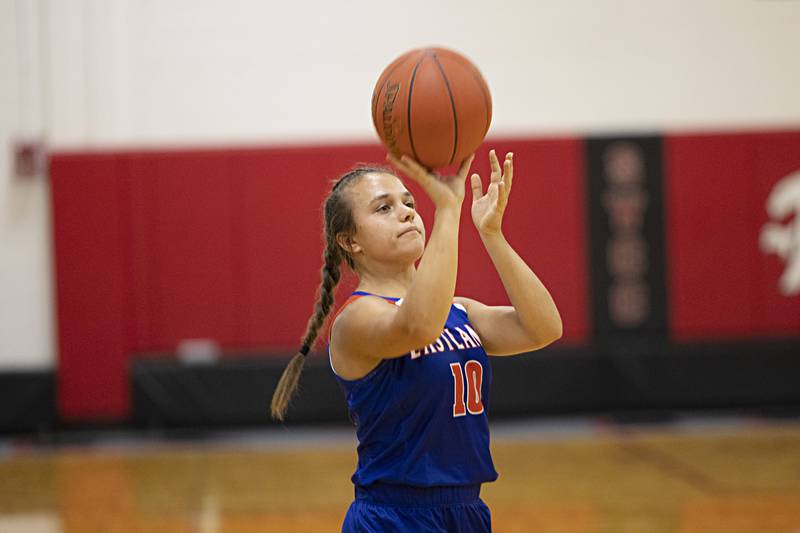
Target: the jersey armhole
pixel 347 302
pixel 461 307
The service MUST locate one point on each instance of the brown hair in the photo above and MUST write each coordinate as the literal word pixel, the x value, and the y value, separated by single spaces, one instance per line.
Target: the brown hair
pixel 338 219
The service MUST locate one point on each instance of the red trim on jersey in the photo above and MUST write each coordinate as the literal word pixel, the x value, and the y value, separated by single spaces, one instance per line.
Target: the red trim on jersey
pixel 352 298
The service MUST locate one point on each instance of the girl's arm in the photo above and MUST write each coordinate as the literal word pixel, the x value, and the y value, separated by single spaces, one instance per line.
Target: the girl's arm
pixel 532 321
pixel 371 329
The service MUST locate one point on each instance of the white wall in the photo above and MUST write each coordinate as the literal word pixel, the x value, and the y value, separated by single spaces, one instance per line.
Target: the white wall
pixel 26 310
pixel 91 73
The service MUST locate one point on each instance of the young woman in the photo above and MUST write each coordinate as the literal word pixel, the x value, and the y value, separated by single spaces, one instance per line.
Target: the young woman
pixel 412 357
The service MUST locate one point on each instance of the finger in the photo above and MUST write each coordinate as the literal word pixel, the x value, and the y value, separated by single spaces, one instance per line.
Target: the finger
pixel 414 165
pixel 477 187
pixel 397 163
pixel 410 168
pixel 493 192
pixel 495 164
pixel 464 168
pixel 502 196
pixel 508 171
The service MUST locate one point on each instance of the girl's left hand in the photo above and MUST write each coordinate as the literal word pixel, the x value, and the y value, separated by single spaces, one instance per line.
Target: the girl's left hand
pixel 488 209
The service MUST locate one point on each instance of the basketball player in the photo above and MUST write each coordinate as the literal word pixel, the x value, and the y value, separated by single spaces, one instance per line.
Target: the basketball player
pixel 411 357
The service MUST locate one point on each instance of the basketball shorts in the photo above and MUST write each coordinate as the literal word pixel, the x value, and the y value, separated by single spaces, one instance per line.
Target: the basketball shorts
pixel 383 508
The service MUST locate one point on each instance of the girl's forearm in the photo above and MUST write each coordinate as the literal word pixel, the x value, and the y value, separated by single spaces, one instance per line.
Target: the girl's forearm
pixel 428 299
pixel 535 308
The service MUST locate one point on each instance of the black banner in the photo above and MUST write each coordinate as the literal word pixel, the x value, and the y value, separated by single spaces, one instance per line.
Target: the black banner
pixel 626 239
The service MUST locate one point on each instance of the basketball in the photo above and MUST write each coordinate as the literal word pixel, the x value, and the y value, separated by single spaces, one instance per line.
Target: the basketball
pixel 432 104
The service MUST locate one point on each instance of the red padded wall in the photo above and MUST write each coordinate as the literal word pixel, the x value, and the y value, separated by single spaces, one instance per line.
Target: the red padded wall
pixel 156 247
pixel 545 222
pixel 90 289
pixel 721 284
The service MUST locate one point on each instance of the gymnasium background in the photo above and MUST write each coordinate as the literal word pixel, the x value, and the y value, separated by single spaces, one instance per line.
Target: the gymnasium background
pixel 163 165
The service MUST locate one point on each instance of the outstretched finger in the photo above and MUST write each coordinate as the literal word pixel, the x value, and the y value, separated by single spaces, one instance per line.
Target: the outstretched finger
pixel 508 171
pixel 391 158
pixel 495 164
pixel 493 192
pixel 477 187
pixel 415 166
pixel 464 168
pixel 409 167
pixel 502 195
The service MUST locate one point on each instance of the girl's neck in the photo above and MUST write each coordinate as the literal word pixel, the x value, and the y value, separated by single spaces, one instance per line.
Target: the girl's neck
pixel 394 286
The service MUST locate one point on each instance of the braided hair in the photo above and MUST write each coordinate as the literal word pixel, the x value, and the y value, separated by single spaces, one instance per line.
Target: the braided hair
pixel 338 220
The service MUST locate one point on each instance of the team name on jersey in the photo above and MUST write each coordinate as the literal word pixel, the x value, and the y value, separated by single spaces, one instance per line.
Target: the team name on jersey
pixel 449 341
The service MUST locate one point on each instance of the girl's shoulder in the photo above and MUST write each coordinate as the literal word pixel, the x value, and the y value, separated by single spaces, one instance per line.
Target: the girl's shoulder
pixel 466 303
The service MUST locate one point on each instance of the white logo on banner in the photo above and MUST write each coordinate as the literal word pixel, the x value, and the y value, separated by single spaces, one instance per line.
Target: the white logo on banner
pixel 784 239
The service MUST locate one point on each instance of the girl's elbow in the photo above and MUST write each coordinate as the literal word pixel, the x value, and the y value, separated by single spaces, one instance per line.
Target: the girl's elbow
pixel 558 330
pixel 557 327
pixel 551 334
pixel 550 340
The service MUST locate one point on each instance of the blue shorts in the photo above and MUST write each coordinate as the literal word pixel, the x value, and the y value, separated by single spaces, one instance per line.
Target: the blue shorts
pixel 382 508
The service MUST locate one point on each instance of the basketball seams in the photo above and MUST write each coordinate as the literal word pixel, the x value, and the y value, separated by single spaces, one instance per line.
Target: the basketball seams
pixel 408 107
pixel 486 102
pixel 452 105
pixel 427 117
pixel 464 62
pixel 383 82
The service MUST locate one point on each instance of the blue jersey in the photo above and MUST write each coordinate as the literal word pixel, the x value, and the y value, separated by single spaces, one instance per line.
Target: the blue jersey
pixel 421 418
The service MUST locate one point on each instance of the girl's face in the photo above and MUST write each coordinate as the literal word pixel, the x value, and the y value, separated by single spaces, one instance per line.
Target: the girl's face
pixel 388 227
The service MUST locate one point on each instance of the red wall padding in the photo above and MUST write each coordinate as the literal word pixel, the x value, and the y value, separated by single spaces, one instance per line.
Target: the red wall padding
pixel 721 284
pixel 155 247
pixel 93 338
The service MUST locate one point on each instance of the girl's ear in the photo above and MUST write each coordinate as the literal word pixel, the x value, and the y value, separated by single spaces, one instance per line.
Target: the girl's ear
pixel 348 243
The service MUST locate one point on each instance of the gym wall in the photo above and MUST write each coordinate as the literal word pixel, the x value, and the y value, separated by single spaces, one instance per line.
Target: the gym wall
pixel 129 78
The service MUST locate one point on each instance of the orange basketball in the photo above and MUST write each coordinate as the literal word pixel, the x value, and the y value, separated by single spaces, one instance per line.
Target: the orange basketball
pixel 432 104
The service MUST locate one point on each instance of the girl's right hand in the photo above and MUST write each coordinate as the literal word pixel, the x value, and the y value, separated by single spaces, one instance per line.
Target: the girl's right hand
pixel 444 191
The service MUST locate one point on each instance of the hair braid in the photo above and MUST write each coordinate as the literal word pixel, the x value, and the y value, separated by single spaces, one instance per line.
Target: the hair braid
pixel 330 275
pixel 338 219
pixel 287 385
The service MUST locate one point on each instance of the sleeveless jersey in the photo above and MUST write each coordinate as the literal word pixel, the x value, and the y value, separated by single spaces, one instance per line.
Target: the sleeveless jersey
pixel 421 418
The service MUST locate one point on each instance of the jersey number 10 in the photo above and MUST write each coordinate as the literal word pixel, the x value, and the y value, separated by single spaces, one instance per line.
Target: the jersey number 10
pixel 474 374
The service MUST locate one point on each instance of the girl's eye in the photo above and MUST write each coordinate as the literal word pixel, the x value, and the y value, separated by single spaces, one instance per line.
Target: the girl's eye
pixel 410 204
pixel 383 208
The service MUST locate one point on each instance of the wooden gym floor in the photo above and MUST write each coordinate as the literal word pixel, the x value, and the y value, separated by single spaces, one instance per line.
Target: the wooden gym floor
pixel 560 476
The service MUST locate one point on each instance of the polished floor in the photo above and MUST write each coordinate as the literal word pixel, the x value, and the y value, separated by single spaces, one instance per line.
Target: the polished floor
pixel 707 475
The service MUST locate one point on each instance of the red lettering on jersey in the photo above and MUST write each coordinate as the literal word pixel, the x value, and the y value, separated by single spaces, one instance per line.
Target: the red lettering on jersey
pixel 474 374
pixel 458 393
pixel 473 371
